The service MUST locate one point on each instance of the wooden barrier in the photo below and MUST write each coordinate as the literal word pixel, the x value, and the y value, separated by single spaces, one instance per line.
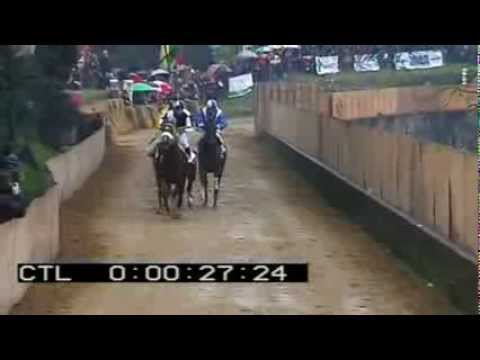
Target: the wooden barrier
pixel 434 184
pixel 125 119
pixel 351 105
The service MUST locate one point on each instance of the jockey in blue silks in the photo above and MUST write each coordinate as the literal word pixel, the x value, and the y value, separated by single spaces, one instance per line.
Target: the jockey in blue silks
pixel 213 110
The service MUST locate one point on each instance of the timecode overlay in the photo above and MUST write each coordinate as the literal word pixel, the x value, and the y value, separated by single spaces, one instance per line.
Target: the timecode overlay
pixel 144 273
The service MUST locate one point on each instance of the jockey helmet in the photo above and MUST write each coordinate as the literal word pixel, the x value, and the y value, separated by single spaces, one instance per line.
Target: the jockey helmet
pixel 212 104
pixel 178 105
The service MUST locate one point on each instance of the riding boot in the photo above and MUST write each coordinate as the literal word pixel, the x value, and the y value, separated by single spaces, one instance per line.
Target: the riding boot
pixel 222 145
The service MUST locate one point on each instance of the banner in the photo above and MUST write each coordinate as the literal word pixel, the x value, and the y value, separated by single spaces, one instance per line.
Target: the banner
pixel 418 60
pixel 240 85
pixel 326 65
pixel 366 62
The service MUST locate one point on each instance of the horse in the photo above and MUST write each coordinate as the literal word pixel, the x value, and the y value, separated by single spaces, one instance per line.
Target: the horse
pixel 172 171
pixel 211 160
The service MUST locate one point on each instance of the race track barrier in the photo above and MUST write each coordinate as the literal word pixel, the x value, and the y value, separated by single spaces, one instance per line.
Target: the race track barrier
pixel 35 238
pixel 430 185
pixel 125 119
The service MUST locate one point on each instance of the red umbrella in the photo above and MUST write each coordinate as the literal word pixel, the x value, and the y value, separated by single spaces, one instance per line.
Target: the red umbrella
pixel 137 78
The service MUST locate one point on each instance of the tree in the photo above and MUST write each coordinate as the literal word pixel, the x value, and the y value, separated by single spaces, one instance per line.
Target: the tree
pixel 56 61
pixel 198 56
pixel 18 76
pixel 134 57
pixel 31 101
pixel 227 53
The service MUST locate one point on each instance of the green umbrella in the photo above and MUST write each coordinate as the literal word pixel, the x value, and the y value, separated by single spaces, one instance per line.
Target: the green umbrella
pixel 142 87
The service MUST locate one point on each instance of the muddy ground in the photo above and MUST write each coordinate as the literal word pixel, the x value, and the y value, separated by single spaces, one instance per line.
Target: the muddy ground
pixel 266 213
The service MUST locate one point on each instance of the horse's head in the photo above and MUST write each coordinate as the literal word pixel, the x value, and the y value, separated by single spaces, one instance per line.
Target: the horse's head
pixel 167 139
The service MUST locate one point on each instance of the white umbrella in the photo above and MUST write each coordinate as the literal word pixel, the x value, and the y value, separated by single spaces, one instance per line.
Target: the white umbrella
pixel 247 54
pixel 264 49
pixel 159 72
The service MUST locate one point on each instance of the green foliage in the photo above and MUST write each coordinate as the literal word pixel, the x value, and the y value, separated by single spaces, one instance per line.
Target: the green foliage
pixel 18 78
pixel 34 110
pixel 55 114
pixel 239 107
pixel 199 56
pixel 56 60
pixel 349 80
pixel 134 57
pixel 226 53
pixel 35 182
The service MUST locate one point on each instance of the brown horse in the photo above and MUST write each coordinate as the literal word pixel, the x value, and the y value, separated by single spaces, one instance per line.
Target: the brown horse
pixel 211 160
pixel 172 171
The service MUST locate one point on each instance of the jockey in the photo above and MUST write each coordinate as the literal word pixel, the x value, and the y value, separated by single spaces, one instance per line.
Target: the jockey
pixel 212 110
pixel 181 117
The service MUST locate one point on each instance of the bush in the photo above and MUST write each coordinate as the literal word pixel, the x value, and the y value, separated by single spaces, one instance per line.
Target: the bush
pixel 35 113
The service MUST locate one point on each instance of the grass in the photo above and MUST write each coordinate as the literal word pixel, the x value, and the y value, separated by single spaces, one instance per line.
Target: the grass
pixel 239 107
pixel 36 176
pixel 446 75
pixel 42 152
pixel 36 182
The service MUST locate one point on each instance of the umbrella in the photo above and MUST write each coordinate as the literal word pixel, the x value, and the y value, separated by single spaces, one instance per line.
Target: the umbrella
pixel 291 46
pixel 142 87
pixel 217 67
pixel 247 54
pixel 159 72
pixel 264 49
pixel 163 87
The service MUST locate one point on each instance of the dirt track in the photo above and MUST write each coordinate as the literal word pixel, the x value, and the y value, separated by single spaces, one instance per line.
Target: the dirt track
pixel 266 213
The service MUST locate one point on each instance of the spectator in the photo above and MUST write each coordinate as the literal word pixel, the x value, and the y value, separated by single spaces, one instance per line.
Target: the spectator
pixel 10 164
pixel 105 66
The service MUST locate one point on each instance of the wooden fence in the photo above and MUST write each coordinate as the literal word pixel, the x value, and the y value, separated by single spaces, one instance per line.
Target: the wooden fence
pixel 434 185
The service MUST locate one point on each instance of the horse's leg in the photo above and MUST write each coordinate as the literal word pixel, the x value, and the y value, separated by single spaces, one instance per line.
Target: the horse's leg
pixel 166 196
pixel 158 181
pixel 204 180
pixel 218 180
pixel 215 190
pixel 160 197
pixel 172 193
pixel 190 181
pixel 180 191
